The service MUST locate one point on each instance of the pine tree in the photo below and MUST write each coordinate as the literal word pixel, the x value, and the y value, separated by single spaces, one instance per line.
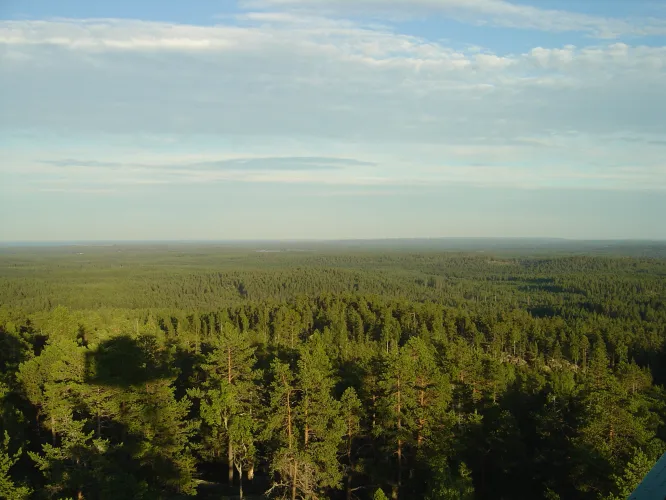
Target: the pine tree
pixel 304 424
pixel 159 434
pixel 379 495
pixel 431 389
pixel 67 465
pixel 390 330
pixel 228 399
pixel 398 403
pixel 52 382
pixel 351 414
pixel 318 415
pixel 8 487
pixel 451 486
pixel 634 472
pixel 281 428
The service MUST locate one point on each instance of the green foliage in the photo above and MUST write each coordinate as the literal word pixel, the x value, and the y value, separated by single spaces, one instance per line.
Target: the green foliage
pixel 8 487
pixel 318 414
pixel 379 495
pixel 452 486
pixel 633 474
pixel 328 374
pixel 228 400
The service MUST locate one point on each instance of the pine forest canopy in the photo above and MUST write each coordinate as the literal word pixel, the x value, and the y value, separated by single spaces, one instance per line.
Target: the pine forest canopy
pixel 435 369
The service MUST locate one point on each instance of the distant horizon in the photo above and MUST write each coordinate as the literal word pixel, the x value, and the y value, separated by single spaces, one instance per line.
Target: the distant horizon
pixel 334 240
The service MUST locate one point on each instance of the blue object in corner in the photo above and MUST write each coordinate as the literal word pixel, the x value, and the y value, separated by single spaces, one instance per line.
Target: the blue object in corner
pixel 653 485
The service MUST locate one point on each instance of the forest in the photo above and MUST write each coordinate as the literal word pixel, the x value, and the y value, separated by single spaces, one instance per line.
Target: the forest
pixel 172 371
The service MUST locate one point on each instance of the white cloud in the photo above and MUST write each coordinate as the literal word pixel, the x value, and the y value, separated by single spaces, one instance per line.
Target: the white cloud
pixel 82 175
pixel 500 13
pixel 327 87
pixel 112 34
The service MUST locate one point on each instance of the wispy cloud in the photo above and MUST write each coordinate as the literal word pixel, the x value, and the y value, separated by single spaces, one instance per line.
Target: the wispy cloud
pixel 344 102
pixel 289 164
pixel 244 164
pixel 321 80
pixel 70 162
pixel 499 13
pixel 81 175
pixel 79 190
pixel 379 177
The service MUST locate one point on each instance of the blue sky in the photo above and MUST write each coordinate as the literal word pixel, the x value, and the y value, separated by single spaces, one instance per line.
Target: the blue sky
pixel 286 119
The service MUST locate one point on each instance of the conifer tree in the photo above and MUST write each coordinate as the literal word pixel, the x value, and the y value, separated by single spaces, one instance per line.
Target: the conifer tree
pixel 228 399
pixel 429 386
pixel 281 431
pixel 398 403
pixel 351 414
pixel 159 432
pixel 318 415
pixel 634 472
pixel 8 487
pixel 379 495
pixel 304 423
pixel 52 382
pixel 451 486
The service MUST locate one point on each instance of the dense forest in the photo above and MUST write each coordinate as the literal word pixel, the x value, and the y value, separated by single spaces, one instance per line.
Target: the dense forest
pixel 178 371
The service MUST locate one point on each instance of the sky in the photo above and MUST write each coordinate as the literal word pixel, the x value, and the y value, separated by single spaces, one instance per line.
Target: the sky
pixel 332 119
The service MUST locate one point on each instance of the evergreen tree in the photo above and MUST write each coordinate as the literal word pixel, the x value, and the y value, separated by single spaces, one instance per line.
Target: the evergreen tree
pixel 633 474
pixel 451 486
pixel 228 399
pixel 158 434
pixel 379 495
pixel 52 382
pixel 430 387
pixel 305 424
pixel 351 414
pixel 398 404
pixel 281 431
pixel 319 417
pixel 8 487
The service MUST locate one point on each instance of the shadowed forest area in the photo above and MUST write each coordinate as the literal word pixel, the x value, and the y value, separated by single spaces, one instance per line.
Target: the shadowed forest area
pixel 341 372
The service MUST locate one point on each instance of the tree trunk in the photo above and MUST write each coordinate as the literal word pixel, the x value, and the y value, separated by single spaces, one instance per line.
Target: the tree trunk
pixel 38 427
pixel 293 483
pixel 399 463
pixel 123 431
pixel 399 440
pixel 419 438
pixel 289 419
pixel 240 482
pixel 306 437
pixel 374 413
pixel 230 458
pixel 349 462
pixel 53 430
pixel 230 451
pixel 229 364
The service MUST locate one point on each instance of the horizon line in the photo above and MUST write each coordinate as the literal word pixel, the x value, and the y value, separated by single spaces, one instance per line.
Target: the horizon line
pixel 331 240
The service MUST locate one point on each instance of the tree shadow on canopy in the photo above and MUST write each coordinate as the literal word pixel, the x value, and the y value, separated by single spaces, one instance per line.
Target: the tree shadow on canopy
pixel 125 361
